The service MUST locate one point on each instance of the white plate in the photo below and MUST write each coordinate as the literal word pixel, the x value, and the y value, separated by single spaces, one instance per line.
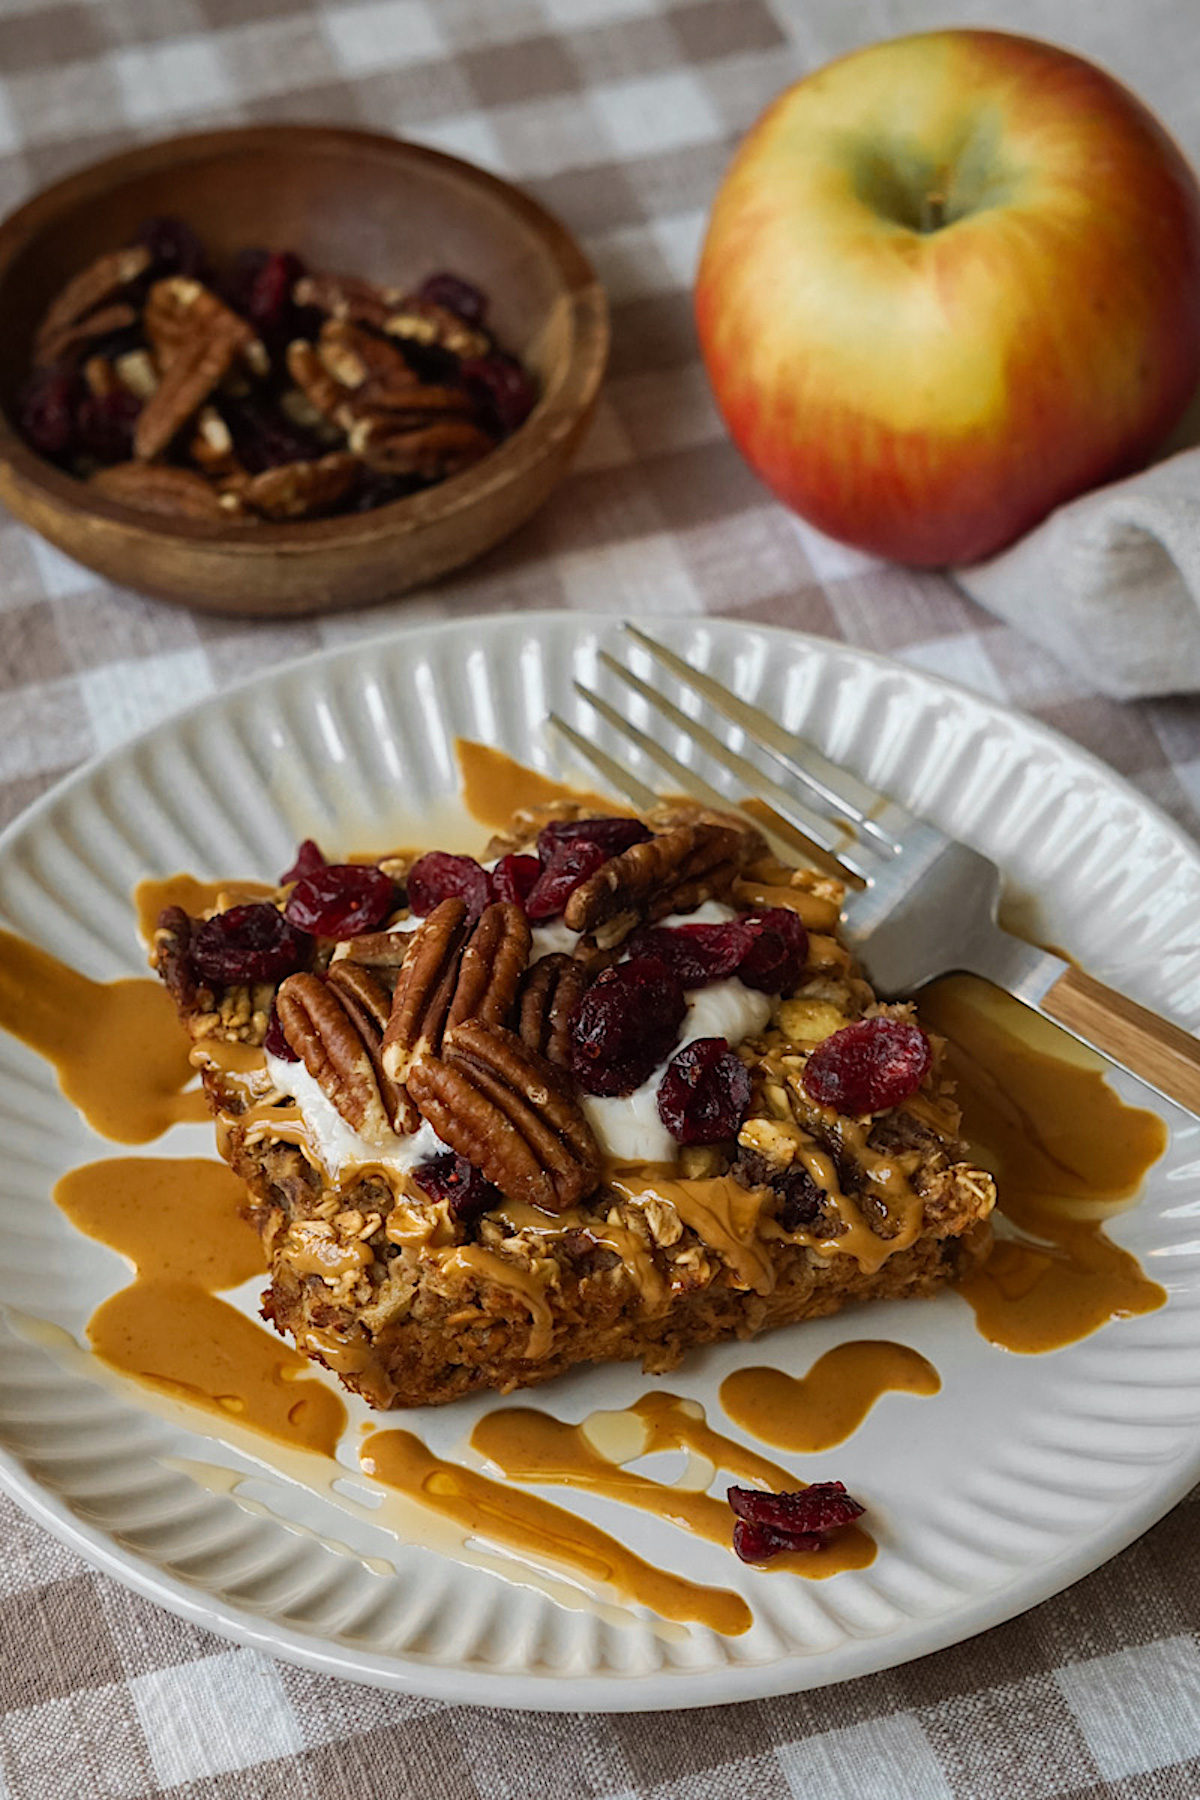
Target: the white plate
pixel 1019 1477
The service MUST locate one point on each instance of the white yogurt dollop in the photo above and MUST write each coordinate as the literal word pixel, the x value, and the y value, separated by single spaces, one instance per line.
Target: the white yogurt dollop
pixel 627 1126
pixel 335 1141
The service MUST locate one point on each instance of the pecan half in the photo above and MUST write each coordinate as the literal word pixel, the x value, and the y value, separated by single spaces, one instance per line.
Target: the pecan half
pixel 454 973
pixel 196 338
pixel 295 490
pixel 101 281
pixel 159 488
pixel 511 1114
pixel 425 322
pixel 374 370
pixel 345 297
pixel 425 987
pixel 673 872
pixel 367 999
pixel 321 1032
pixel 492 965
pixel 430 451
pixel 550 992
pixel 84 331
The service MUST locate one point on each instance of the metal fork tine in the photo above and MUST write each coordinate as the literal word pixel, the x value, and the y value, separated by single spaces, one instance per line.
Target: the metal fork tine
pixel 821 830
pixel 845 793
pixel 642 796
pixel 688 781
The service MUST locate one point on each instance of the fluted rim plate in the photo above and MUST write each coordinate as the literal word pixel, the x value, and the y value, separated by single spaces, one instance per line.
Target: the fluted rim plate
pixel 1022 1475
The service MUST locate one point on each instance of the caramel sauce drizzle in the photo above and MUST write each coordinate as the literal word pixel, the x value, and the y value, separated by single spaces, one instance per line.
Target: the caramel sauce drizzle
pixel 539 1529
pixel 1067 1153
pixel 494 786
pixel 151 896
pixel 721 1212
pixel 828 1404
pixel 178 1221
pixel 531 1445
pixel 116 1046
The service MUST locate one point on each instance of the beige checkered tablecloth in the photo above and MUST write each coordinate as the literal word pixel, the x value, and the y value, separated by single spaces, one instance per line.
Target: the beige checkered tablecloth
pixel 620 115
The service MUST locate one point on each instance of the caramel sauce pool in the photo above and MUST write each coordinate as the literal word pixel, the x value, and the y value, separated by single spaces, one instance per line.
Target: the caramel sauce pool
pixel 1067 1153
pixel 539 1529
pixel 494 786
pixel 177 1220
pixel 531 1445
pixel 116 1046
pixel 828 1404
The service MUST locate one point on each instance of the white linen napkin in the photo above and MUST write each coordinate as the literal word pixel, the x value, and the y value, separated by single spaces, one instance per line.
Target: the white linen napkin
pixel 1111 582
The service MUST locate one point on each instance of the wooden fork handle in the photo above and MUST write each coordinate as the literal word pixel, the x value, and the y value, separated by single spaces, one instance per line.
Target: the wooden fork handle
pixel 1152 1048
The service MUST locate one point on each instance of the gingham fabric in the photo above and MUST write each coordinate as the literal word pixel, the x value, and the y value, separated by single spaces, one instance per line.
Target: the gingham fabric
pixel 619 115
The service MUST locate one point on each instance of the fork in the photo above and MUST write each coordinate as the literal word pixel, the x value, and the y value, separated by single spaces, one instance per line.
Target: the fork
pixel 922 904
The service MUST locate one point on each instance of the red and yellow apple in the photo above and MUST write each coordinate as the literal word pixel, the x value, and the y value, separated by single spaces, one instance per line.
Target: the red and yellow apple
pixel 949 282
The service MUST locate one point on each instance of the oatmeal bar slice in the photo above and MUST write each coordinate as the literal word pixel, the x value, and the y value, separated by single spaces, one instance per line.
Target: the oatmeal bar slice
pixel 463 1181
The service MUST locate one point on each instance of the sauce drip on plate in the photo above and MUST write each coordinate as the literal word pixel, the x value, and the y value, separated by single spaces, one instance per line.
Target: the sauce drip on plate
pixel 828 1404
pixel 1068 1154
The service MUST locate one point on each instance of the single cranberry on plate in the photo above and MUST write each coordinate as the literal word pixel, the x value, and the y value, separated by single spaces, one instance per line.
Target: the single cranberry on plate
pixel 626 1024
pixel 869 1066
pixel 704 1092
pixel 768 1524
pixel 454 1179
pixel 248 943
pixel 341 900
pixel 269 295
pixel 439 876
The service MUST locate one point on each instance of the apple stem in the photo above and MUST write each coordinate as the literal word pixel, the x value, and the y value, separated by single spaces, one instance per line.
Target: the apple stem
pixel 933 210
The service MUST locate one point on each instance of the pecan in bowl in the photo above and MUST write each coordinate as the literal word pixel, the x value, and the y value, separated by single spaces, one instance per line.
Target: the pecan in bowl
pixel 310 426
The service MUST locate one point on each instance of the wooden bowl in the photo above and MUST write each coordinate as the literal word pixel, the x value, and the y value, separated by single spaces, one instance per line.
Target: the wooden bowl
pixel 348 201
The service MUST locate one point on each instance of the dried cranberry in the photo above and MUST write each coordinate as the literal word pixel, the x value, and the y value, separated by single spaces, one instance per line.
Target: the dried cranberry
pixel 236 282
pixel 174 246
pixel 341 900
pixel 372 490
pixel 453 1178
pixel 309 858
pixel 275 1044
pixel 778 951
pixel 698 954
pixel 461 297
pixel 704 1092
pixel 867 1067
pixel 613 835
pixel 501 389
pixel 625 1025
pixel 514 878
pixel 105 425
pixel 248 943
pixel 802 1199
pixel 46 407
pixel 440 876
pixel 269 299
pixel 263 438
pixel 569 865
pixel 770 1523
